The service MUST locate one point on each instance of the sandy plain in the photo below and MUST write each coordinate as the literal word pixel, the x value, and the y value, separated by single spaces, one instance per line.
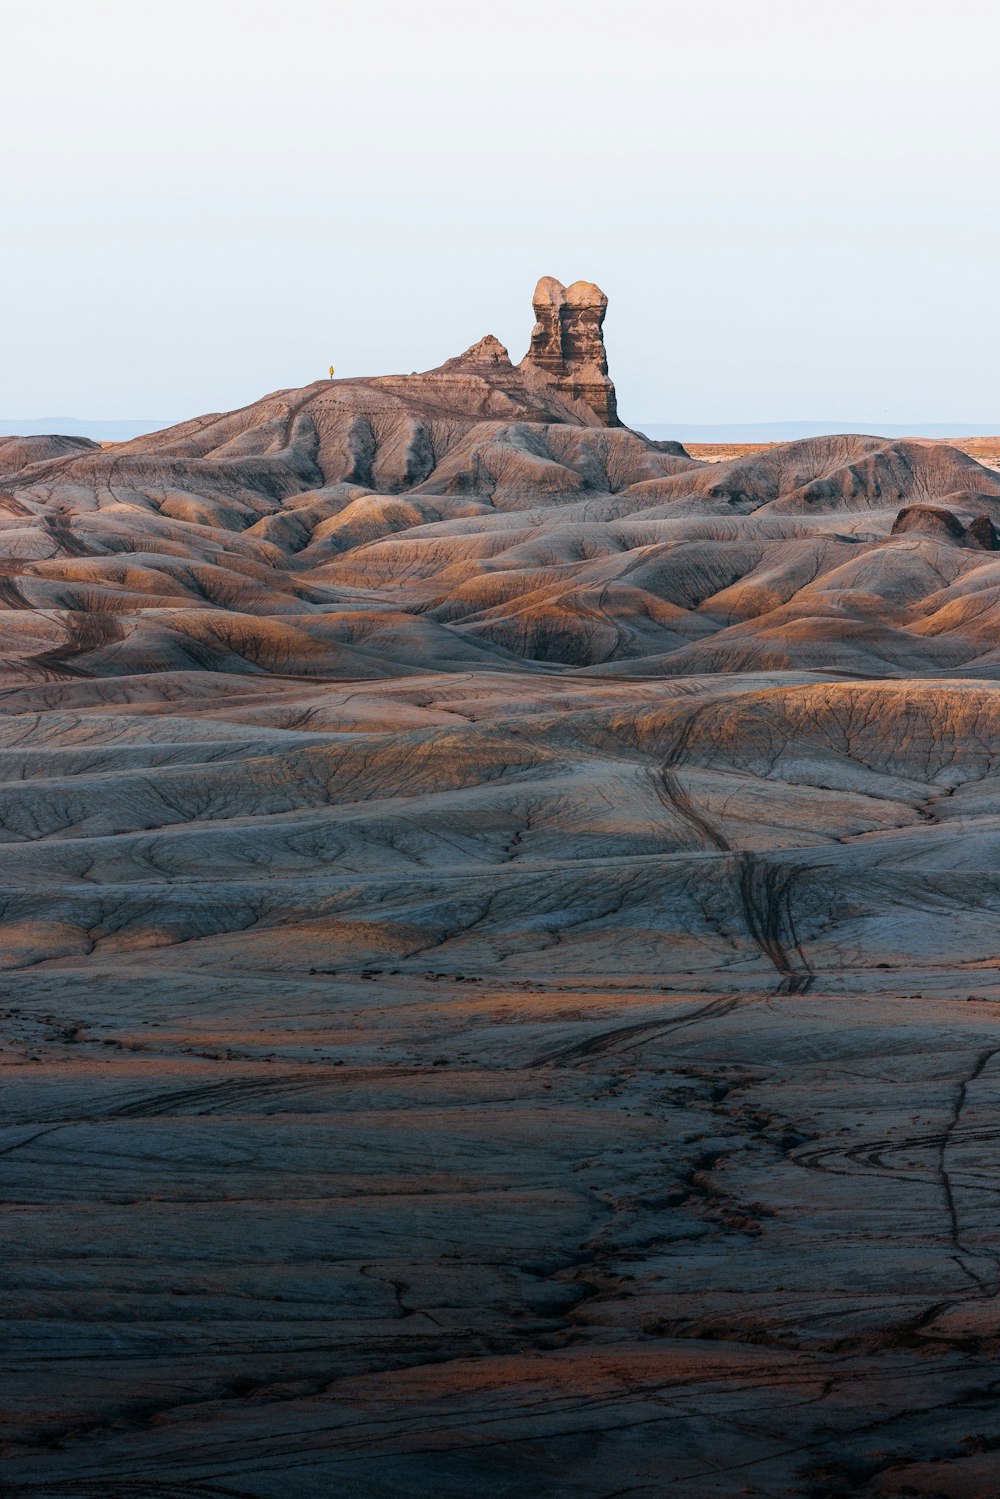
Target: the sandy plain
pixel 500 939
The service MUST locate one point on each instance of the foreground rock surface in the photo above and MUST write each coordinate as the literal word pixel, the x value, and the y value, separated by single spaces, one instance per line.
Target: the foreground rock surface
pixel 500 928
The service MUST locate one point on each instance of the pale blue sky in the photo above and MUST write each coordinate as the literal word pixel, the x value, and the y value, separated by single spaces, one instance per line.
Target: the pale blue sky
pixel 792 204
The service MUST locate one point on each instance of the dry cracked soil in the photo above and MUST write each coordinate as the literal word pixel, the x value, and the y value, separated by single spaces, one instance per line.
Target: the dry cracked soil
pixel 500 936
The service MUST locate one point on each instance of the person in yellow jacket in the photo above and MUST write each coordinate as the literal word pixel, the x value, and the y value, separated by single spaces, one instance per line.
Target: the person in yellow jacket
pixel 331 372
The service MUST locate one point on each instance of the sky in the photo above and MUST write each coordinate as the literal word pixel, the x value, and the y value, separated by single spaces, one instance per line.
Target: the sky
pixel 791 204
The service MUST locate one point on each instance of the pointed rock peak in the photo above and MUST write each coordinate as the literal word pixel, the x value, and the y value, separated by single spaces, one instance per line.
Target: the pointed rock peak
pixel 488 351
pixel 567 345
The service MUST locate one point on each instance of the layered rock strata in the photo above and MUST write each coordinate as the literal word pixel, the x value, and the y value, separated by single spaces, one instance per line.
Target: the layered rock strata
pixel 567 345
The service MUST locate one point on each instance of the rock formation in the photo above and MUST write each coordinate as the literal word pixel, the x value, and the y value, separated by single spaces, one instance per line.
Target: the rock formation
pixel 488 354
pixel 933 520
pixel 983 533
pixel 567 345
pixel 563 377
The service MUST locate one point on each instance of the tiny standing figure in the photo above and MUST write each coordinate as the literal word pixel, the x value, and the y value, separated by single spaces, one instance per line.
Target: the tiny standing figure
pixel 331 372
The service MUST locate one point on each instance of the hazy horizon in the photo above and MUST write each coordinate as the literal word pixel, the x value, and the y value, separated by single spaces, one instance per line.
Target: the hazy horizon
pixel 788 206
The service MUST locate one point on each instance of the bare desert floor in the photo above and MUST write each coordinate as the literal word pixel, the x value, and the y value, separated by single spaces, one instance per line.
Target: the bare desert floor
pixel 501 938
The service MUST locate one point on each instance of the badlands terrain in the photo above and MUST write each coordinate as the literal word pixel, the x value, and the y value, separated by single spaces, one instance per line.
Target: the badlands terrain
pixel 500 935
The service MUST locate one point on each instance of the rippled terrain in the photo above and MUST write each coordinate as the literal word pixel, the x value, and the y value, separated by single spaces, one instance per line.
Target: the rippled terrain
pixel 500 938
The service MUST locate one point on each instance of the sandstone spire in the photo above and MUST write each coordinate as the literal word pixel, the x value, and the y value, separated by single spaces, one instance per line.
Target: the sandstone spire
pixel 567 345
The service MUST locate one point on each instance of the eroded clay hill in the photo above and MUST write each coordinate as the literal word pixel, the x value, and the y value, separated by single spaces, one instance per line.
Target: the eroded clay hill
pixel 500 927
pixel 487 514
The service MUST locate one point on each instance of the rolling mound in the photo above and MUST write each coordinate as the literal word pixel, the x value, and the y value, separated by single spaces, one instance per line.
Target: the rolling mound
pixel 499 919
